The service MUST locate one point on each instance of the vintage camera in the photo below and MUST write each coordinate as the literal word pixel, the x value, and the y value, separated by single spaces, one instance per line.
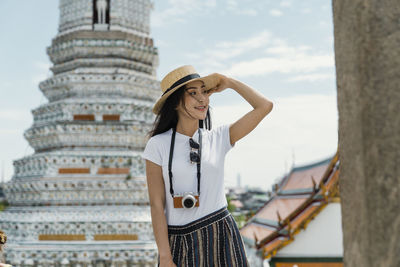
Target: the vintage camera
pixel 187 200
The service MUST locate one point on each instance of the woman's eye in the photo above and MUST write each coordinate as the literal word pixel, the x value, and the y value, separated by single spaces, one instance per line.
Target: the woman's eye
pixel 192 93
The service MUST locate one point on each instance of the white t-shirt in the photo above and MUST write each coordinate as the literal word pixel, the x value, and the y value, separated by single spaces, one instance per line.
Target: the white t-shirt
pixel 215 145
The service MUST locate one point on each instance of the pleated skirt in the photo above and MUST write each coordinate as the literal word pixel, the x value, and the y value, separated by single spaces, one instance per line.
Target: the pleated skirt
pixel 213 240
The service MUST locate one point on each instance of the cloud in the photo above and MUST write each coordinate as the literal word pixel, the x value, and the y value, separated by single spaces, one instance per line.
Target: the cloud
pixel 229 49
pixel 161 43
pixel 42 72
pixel 261 54
pixel 281 48
pixel 323 23
pixel 13 114
pixel 233 7
pixel 223 52
pixel 231 4
pixel 285 3
pixel 306 10
pixel 301 63
pixel 6 84
pixel 179 11
pixel 275 12
pixel 9 131
pixel 247 11
pixel 303 125
pixel 313 77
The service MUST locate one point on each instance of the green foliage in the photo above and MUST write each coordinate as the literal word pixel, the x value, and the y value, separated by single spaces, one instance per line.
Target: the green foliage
pixel 129 162
pixel 231 207
pixel 3 205
pixel 240 220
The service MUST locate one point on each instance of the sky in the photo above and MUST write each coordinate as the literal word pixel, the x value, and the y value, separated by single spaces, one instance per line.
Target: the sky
pixel 281 48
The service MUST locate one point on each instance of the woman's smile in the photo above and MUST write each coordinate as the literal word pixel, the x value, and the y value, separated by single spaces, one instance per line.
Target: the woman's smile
pixel 201 108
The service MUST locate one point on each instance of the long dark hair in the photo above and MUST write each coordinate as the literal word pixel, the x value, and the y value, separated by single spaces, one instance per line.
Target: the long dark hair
pixel 168 116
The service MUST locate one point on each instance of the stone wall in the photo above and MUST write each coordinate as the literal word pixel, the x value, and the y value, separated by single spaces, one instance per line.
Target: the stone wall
pixel 367 48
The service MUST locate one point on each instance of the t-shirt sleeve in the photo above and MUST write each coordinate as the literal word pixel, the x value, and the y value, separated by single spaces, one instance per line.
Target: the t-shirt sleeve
pixel 223 137
pixel 152 151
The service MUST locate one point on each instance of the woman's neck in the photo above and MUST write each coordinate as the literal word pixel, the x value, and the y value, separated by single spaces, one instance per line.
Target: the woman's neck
pixel 187 127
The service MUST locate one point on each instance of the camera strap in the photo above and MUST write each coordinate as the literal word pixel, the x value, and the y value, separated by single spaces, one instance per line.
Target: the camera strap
pixel 171 154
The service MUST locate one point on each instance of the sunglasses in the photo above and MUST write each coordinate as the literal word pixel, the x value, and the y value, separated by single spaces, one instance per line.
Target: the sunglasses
pixel 194 156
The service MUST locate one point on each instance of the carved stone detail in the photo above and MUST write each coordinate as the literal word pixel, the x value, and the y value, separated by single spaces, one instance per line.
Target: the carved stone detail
pixel 81 198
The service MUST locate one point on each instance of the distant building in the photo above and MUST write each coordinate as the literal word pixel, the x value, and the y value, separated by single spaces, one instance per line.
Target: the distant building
pixel 244 202
pixel 300 225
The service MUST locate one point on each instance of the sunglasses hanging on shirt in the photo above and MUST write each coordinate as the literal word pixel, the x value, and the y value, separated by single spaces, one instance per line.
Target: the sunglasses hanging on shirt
pixel 194 157
pixel 186 200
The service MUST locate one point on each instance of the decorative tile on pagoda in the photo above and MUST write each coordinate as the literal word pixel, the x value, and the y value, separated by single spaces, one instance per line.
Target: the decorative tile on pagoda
pixel 51 253
pixel 120 36
pixel 78 193
pixel 113 171
pixel 124 214
pixel 75 15
pixel 95 109
pixel 92 85
pixel 141 56
pixel 47 164
pixel 52 226
pixel 106 63
pixel 122 135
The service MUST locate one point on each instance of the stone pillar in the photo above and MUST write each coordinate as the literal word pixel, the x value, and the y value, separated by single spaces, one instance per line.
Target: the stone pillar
pixel 367 51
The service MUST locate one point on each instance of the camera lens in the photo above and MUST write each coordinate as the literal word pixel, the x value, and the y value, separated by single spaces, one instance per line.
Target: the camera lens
pixel 188 203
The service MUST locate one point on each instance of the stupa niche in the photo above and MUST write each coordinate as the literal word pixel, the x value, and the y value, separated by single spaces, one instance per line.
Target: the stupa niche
pixel 81 198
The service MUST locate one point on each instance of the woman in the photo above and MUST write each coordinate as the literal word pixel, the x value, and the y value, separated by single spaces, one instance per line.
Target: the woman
pixel 184 169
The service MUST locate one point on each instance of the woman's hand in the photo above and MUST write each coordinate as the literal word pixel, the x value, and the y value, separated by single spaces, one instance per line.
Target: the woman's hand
pixel 167 262
pixel 224 82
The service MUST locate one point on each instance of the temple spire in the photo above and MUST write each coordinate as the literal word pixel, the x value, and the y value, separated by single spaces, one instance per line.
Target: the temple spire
pixel 72 196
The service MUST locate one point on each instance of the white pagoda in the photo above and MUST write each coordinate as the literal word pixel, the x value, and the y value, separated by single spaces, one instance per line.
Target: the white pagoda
pixel 81 198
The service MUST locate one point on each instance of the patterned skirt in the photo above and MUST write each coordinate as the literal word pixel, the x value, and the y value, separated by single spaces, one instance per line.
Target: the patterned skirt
pixel 213 240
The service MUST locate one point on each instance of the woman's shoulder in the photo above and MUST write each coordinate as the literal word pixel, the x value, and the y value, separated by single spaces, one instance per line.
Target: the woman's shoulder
pixel 221 136
pixel 161 137
pixel 155 148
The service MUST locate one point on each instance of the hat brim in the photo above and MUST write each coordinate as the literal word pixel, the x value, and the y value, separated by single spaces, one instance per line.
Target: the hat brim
pixel 210 81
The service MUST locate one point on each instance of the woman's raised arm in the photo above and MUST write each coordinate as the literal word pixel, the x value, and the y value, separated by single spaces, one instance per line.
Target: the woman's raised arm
pixel 155 186
pixel 262 106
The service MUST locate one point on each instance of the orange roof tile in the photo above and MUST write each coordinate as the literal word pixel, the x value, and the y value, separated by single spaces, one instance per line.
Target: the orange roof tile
pixel 285 206
pixel 256 231
pixel 295 200
pixel 303 178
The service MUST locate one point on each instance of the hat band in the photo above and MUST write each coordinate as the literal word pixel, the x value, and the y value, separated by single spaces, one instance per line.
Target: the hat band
pixel 182 80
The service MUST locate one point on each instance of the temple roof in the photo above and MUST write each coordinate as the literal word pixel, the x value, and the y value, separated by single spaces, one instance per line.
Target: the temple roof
pixel 297 198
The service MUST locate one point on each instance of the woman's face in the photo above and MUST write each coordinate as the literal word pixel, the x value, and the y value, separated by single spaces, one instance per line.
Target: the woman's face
pixel 196 99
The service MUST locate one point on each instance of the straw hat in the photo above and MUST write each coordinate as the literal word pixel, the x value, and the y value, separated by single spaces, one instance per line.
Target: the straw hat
pixel 178 78
pixel 3 238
